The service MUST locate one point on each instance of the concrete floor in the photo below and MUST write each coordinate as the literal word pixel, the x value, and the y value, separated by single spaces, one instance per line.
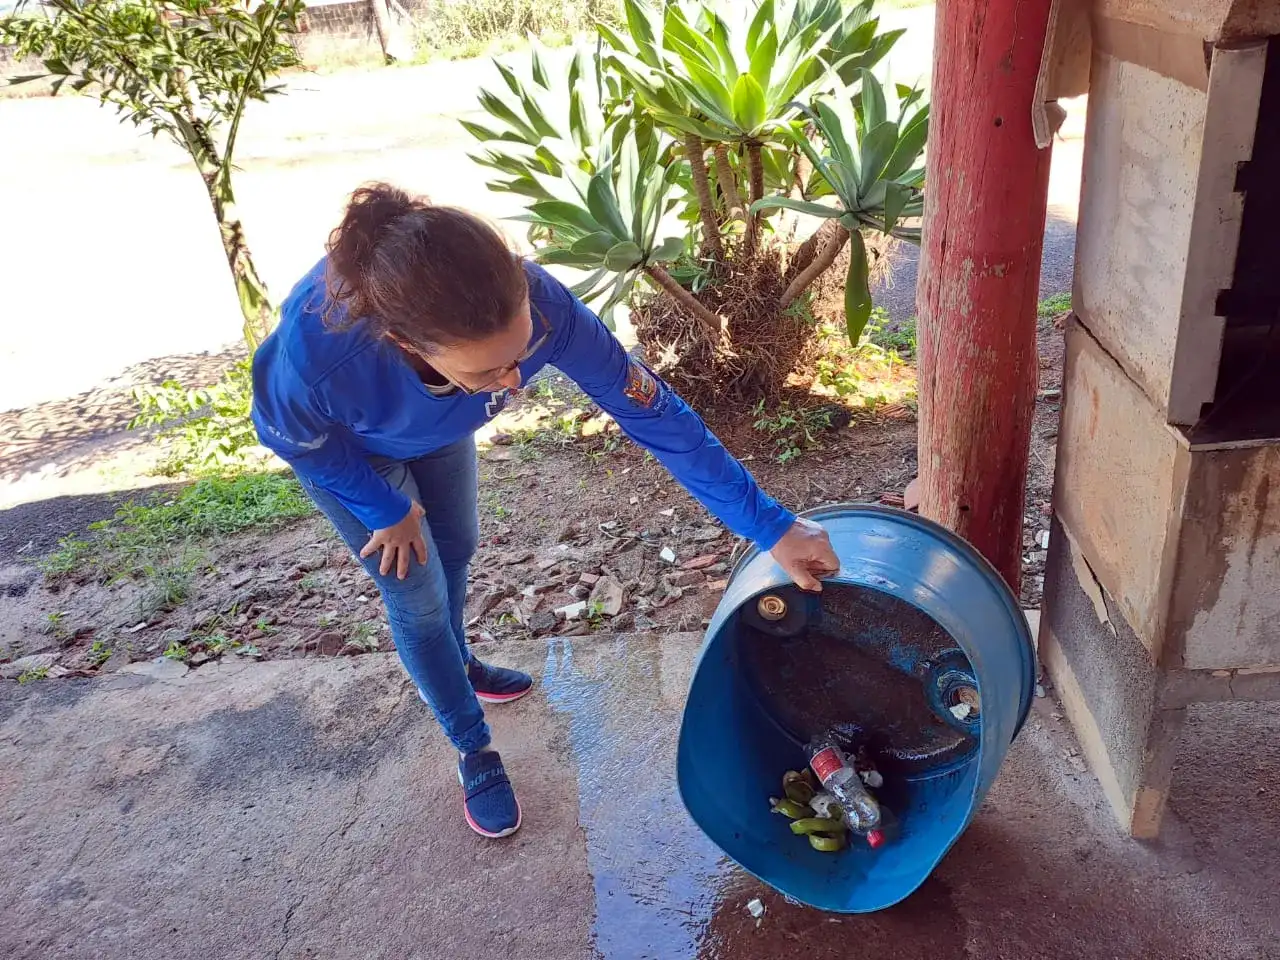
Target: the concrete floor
pixel 309 809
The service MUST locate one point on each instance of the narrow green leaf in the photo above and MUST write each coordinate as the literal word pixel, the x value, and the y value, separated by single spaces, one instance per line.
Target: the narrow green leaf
pixel 896 197
pixel 598 243
pixel 509 77
pixel 707 90
pixel 630 189
pixel 623 256
pixel 604 207
pixel 749 110
pixel 763 19
pixel 670 249
pixel 763 56
pixel 495 107
pixel 877 147
pixel 585 289
pixel 718 31
pixel 874 111
pixel 641 30
pixel 558 256
pixel 909 147
pixel 838 134
pixel 554 212
pixel 684 39
pixel 766 204
pixel 621 289
pixel 537 67
pixel 857 291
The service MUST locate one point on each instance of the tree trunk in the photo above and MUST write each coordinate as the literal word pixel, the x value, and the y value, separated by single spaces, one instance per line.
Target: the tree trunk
pixel 711 242
pixel 815 242
pixel 979 273
pixel 806 277
pixel 255 302
pixel 728 181
pixel 712 323
pixel 755 172
pixel 382 23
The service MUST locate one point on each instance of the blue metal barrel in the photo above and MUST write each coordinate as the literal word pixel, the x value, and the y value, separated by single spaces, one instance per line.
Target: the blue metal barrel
pixel 915 623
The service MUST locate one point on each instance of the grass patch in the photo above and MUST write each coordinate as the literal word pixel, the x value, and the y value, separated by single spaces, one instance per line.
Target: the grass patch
pixel 876 372
pixel 461 29
pixel 144 538
pixel 901 338
pixel 792 430
pixel 1053 306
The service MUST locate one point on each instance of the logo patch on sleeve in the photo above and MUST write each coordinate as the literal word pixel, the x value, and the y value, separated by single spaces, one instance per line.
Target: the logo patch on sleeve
pixel 642 386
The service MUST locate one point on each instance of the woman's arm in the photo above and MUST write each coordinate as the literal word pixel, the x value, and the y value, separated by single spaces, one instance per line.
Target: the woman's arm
pixel 652 415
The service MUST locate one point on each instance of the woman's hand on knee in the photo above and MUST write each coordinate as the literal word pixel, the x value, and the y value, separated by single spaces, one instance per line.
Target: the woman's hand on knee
pixel 397 542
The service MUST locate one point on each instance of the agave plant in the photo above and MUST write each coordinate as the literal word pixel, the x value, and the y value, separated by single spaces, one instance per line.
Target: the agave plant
pixel 608 223
pixel 872 166
pixel 689 107
pixel 725 73
pixel 544 122
pixel 856 43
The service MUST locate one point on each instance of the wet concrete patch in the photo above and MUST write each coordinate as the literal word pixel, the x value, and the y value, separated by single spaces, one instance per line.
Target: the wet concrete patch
pixel 1041 872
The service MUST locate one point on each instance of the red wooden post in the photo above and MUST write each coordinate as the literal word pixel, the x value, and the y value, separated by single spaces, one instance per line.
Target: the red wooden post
pixel 985 201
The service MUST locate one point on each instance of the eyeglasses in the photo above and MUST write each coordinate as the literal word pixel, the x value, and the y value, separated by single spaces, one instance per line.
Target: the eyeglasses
pixel 495 382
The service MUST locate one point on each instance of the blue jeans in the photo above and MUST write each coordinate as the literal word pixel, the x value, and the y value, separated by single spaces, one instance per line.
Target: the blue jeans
pixel 425 609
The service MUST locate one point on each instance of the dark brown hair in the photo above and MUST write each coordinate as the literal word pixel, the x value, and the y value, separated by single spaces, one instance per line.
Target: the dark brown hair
pixel 431 276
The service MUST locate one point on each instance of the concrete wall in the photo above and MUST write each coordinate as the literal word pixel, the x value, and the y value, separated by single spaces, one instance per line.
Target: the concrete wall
pixel 1159 216
pixel 1116 486
pixel 1226 588
pixel 1162 587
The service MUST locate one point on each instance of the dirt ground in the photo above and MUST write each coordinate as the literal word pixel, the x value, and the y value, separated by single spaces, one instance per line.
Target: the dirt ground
pixel 570 515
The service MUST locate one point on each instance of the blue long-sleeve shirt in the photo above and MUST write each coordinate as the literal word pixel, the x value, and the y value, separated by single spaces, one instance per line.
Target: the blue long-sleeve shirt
pixel 326 401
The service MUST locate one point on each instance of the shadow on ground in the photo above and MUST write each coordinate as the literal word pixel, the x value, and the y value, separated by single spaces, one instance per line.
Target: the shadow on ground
pixel 60 436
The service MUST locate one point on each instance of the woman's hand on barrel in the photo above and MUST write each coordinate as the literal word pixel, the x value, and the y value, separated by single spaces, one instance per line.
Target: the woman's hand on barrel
pixel 398 542
pixel 805 553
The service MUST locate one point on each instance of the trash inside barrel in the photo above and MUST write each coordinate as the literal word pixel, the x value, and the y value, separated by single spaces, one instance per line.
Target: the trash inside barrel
pixel 915 661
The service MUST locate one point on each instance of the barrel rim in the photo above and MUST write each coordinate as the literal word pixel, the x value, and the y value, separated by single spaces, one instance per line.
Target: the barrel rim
pixel 839 510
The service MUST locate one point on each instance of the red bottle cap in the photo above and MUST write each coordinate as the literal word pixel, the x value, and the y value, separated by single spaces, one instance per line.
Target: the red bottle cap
pixel 875 838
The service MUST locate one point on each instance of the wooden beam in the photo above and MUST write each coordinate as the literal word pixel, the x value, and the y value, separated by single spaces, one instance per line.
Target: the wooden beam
pixel 985 203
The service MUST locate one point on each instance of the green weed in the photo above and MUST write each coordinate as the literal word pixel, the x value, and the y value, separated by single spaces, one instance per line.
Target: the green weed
pixel 129 542
pixel 1053 306
pixel 168 585
pixel 793 431
pixel 176 651
pixel 207 429
pixel 365 636
pixel 876 371
pixel 100 652
pixel 35 673
pixel 55 625
pixel 470 28
pixel 901 339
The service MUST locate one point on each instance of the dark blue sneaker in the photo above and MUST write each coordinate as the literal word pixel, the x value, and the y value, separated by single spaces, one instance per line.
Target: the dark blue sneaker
pixel 497 684
pixel 488 802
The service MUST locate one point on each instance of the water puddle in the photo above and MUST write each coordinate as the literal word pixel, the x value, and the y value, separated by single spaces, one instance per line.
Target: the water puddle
pixel 663 891
pixel 657 878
